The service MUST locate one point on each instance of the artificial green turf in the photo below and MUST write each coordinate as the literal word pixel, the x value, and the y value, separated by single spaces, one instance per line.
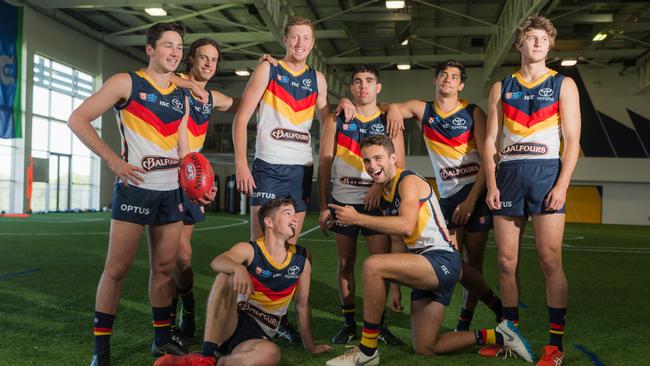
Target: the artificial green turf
pixel 50 265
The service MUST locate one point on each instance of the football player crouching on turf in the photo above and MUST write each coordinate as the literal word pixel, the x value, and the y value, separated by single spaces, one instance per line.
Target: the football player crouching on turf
pixel 256 281
pixel 431 267
pixel 340 160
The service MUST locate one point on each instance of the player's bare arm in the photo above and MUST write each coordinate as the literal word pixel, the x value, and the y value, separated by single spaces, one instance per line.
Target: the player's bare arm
pixel 303 312
pixel 326 157
pixel 490 145
pixel 197 90
pixel 116 89
pixel 234 262
pixel 571 120
pixel 403 224
pixel 398 112
pixel 249 101
pixel 465 209
pixel 224 103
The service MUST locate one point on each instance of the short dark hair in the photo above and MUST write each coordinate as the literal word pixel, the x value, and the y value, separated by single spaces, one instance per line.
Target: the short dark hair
pixel 191 53
pixel 452 63
pixel 298 20
pixel 380 140
pixel 269 208
pixel 369 68
pixel 155 31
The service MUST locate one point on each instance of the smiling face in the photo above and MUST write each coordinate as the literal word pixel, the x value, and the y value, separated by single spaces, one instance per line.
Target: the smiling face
pixel 449 82
pixel 379 163
pixel 299 40
pixel 168 51
pixel 204 62
pixel 534 45
pixel 283 221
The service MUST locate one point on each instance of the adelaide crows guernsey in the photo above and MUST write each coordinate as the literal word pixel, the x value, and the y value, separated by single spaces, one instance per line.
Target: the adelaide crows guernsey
pixel 199 119
pixel 350 179
pixel 430 231
pixel 274 285
pixel 148 123
pixel 452 147
pixel 531 117
pixel 285 115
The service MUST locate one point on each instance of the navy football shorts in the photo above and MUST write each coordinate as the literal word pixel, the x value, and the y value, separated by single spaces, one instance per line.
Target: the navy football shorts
pixel 145 206
pixel 447 265
pixel 353 230
pixel 279 181
pixel 524 184
pixel 481 218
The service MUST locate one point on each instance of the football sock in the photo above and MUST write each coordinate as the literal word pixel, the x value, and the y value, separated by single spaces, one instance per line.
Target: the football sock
pixel 162 324
pixel 556 319
pixel 209 349
pixel 494 303
pixel 348 312
pixel 103 327
pixel 464 319
pixel 488 337
pixel 369 335
pixel 511 313
pixel 174 308
pixel 187 296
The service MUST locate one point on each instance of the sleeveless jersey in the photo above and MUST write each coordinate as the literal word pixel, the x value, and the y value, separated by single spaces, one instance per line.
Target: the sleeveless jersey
pixel 285 115
pixel 273 285
pixel 451 145
pixel 531 117
pixel 430 232
pixel 148 123
pixel 350 179
pixel 199 119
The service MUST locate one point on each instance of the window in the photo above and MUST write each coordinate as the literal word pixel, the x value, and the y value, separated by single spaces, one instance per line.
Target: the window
pixel 6 158
pixel 72 181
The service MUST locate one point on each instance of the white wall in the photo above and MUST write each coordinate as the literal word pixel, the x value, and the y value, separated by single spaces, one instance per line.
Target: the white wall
pixel 47 37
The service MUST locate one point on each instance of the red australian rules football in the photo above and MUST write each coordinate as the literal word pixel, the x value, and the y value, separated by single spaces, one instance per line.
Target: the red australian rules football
pixel 196 175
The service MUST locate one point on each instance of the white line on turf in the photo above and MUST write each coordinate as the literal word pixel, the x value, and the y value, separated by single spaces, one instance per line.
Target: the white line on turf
pixel 308 231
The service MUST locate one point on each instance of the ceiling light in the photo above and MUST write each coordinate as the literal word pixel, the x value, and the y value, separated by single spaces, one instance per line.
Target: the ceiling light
pixel 155 12
pixel 599 37
pixel 242 72
pixel 569 62
pixel 405 42
pixel 395 4
pixel 403 66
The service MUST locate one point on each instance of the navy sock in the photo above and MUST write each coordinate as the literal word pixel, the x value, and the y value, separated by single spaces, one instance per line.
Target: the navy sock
pixel 511 313
pixel 348 312
pixel 464 319
pixel 494 303
pixel 162 324
pixel 187 296
pixel 103 328
pixel 556 320
pixel 209 349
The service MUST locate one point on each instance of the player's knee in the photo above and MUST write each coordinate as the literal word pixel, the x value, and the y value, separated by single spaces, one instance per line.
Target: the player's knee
pixel 423 349
pixel 163 267
pixel 371 266
pixel 551 264
pixel 507 265
pixel 223 283
pixel 116 272
pixel 184 259
pixel 346 266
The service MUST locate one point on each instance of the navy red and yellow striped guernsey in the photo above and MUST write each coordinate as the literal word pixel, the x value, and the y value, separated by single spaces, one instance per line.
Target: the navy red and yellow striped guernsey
pixel 450 141
pixel 285 114
pixel 350 179
pixel 274 285
pixel 198 121
pixel 148 123
pixel 531 117
pixel 430 231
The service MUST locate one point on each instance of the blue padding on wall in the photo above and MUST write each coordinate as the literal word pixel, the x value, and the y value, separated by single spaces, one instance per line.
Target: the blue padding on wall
pixel 625 140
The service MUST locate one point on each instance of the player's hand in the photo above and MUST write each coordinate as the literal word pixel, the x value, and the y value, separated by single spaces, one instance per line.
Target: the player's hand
pixel 395 121
pixel 269 58
pixel 493 198
pixel 321 348
pixel 347 108
pixel 208 197
pixel 128 173
pixel 244 178
pixel 199 93
pixel 345 215
pixel 396 298
pixel 242 282
pixel 325 220
pixel 555 199
pixel 463 212
pixel 373 197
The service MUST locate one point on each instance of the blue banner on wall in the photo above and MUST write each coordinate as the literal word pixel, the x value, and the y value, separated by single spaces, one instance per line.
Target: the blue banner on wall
pixel 10 52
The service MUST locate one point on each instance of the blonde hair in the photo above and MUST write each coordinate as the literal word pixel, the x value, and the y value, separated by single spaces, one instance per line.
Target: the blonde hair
pixel 536 22
pixel 296 20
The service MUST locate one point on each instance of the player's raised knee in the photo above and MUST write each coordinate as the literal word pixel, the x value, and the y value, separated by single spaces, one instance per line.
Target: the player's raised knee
pixel 270 354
